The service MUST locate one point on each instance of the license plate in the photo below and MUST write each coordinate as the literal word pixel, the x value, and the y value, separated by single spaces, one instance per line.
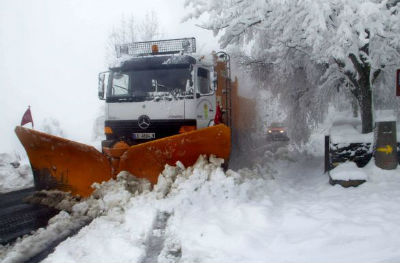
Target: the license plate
pixel 144 135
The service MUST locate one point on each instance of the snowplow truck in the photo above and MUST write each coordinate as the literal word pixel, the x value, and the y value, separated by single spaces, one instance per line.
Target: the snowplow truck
pixel 161 101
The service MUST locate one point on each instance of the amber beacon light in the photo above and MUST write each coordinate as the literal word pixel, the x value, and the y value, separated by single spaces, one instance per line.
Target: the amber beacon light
pixel 154 49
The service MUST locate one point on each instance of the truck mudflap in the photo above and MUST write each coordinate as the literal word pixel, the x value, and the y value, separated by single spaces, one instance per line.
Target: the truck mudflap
pixel 58 163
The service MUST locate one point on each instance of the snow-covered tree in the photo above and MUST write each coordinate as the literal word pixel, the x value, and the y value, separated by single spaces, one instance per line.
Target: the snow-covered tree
pixel 351 42
pixel 129 30
pixel 149 27
pixel 51 126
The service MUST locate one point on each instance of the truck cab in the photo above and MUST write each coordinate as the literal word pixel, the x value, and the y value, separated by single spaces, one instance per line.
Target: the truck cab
pixel 157 93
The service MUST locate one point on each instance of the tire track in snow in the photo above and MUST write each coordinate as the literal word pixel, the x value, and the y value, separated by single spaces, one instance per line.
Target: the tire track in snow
pixel 156 240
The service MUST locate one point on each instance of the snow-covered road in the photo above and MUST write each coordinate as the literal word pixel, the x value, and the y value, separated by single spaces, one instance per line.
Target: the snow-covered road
pixel 317 222
pixel 284 210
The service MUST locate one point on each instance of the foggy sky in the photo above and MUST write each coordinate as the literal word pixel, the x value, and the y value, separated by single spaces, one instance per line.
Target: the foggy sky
pixel 52 50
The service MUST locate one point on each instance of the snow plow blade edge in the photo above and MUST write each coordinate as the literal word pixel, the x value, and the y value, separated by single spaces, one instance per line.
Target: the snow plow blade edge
pixel 58 163
pixel 147 160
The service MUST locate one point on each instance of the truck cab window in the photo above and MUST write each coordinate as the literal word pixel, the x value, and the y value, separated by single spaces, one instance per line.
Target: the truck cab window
pixel 203 77
pixel 120 84
pixel 149 84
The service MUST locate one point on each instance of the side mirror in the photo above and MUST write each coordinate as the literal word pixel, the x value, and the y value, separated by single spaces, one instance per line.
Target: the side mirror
pixel 103 76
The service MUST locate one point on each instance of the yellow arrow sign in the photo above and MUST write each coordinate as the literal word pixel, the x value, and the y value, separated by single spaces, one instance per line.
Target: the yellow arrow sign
pixel 388 149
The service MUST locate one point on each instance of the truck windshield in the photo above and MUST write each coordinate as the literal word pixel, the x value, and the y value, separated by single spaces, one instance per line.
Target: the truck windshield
pixel 151 84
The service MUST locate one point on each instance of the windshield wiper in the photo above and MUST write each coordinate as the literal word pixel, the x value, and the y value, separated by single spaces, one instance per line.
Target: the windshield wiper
pixel 118 86
pixel 127 99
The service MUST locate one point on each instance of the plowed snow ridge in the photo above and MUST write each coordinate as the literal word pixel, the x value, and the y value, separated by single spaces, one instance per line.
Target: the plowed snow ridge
pixel 243 216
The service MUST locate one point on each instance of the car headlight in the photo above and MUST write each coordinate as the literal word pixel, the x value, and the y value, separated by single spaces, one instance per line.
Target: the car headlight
pixel 269 131
pixel 281 131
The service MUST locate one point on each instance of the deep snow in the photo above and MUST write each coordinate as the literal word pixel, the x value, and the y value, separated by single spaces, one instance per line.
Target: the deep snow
pixel 282 211
pixel 15 173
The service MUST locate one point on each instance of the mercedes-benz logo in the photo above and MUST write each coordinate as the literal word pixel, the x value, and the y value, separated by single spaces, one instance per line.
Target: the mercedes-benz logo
pixel 144 122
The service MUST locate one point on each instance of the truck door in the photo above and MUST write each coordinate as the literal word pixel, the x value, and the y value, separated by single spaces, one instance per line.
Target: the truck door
pixel 206 103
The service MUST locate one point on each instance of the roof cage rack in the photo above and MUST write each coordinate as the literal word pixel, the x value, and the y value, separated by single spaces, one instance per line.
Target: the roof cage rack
pixel 157 47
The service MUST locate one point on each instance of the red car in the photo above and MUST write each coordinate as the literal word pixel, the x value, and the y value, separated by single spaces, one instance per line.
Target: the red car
pixel 277 132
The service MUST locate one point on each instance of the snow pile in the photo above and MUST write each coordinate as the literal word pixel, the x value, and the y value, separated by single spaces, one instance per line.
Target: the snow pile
pixel 114 194
pixel 130 223
pixel 15 173
pixel 385 115
pixel 175 60
pixel 211 210
pixel 203 214
pixel 53 198
pixel 23 250
pixel 109 198
pixel 349 131
pixel 348 171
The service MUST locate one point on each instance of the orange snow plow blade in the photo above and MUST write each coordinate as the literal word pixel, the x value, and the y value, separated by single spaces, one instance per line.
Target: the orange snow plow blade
pixel 62 164
pixel 58 163
pixel 147 160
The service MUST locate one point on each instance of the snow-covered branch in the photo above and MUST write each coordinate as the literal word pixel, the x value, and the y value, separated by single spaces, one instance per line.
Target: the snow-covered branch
pixel 355 39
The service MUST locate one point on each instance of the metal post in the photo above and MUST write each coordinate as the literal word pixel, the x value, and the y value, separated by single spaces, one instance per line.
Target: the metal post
pixel 386 145
pixel 327 157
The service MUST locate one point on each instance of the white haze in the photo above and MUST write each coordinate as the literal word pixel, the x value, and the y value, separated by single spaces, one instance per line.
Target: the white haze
pixel 52 51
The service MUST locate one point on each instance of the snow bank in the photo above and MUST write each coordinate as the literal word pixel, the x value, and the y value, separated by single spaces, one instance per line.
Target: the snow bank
pixel 203 214
pixel 25 248
pixel 109 198
pixel 15 173
pixel 342 128
pixel 385 115
pixel 189 196
pixel 348 171
pixel 347 131
pixel 246 216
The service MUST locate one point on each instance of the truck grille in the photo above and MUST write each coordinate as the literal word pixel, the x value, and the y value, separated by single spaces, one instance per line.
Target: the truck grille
pixel 124 129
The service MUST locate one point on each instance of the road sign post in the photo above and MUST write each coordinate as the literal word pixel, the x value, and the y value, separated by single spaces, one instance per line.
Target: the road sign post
pixel 398 82
pixel 386 145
